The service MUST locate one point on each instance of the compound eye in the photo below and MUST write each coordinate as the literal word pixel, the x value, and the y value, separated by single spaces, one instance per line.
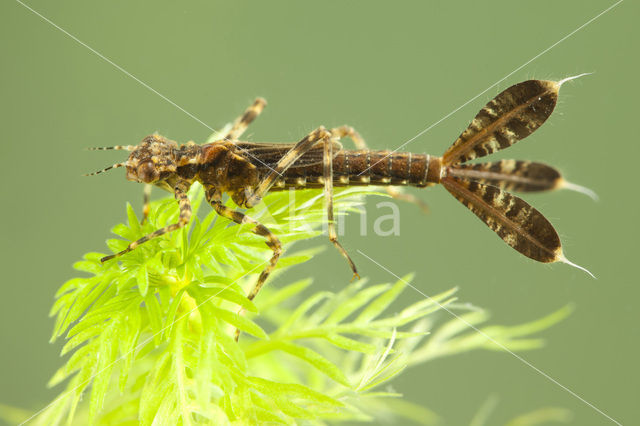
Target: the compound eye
pixel 147 172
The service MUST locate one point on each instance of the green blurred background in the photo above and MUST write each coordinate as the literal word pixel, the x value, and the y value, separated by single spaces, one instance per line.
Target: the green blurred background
pixel 389 70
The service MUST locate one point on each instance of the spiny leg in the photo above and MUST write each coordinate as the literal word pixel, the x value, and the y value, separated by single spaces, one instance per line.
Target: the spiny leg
pixel 358 141
pixel 242 122
pixel 180 191
pixel 215 199
pixel 327 161
pixel 146 207
pixel 306 143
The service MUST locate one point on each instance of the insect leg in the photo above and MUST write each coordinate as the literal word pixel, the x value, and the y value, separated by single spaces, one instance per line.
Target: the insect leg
pixel 146 207
pixel 180 191
pixel 327 161
pixel 351 133
pixel 215 199
pixel 306 143
pixel 242 122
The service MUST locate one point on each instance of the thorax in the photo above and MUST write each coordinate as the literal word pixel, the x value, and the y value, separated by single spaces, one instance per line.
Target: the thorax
pixel 222 168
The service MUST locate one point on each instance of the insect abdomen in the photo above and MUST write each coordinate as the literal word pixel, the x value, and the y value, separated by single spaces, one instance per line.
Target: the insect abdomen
pixel 363 167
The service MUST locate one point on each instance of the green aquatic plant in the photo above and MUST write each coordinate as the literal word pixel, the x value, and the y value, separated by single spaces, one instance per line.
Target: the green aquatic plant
pixel 149 338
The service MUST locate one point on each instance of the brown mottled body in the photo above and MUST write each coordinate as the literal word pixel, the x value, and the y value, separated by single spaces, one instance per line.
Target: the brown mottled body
pixel 247 171
pixel 354 168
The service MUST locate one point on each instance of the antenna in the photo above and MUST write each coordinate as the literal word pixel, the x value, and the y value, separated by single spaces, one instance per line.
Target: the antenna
pixel 115 166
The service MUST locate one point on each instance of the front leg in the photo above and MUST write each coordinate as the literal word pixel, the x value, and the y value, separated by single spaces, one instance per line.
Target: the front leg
pixel 180 191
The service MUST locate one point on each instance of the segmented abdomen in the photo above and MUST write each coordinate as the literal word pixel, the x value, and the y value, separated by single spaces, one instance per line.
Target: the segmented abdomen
pixel 357 168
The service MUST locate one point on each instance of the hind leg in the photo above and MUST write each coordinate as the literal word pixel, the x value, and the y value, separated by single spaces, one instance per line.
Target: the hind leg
pixel 305 144
pixel 320 135
pixel 327 161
